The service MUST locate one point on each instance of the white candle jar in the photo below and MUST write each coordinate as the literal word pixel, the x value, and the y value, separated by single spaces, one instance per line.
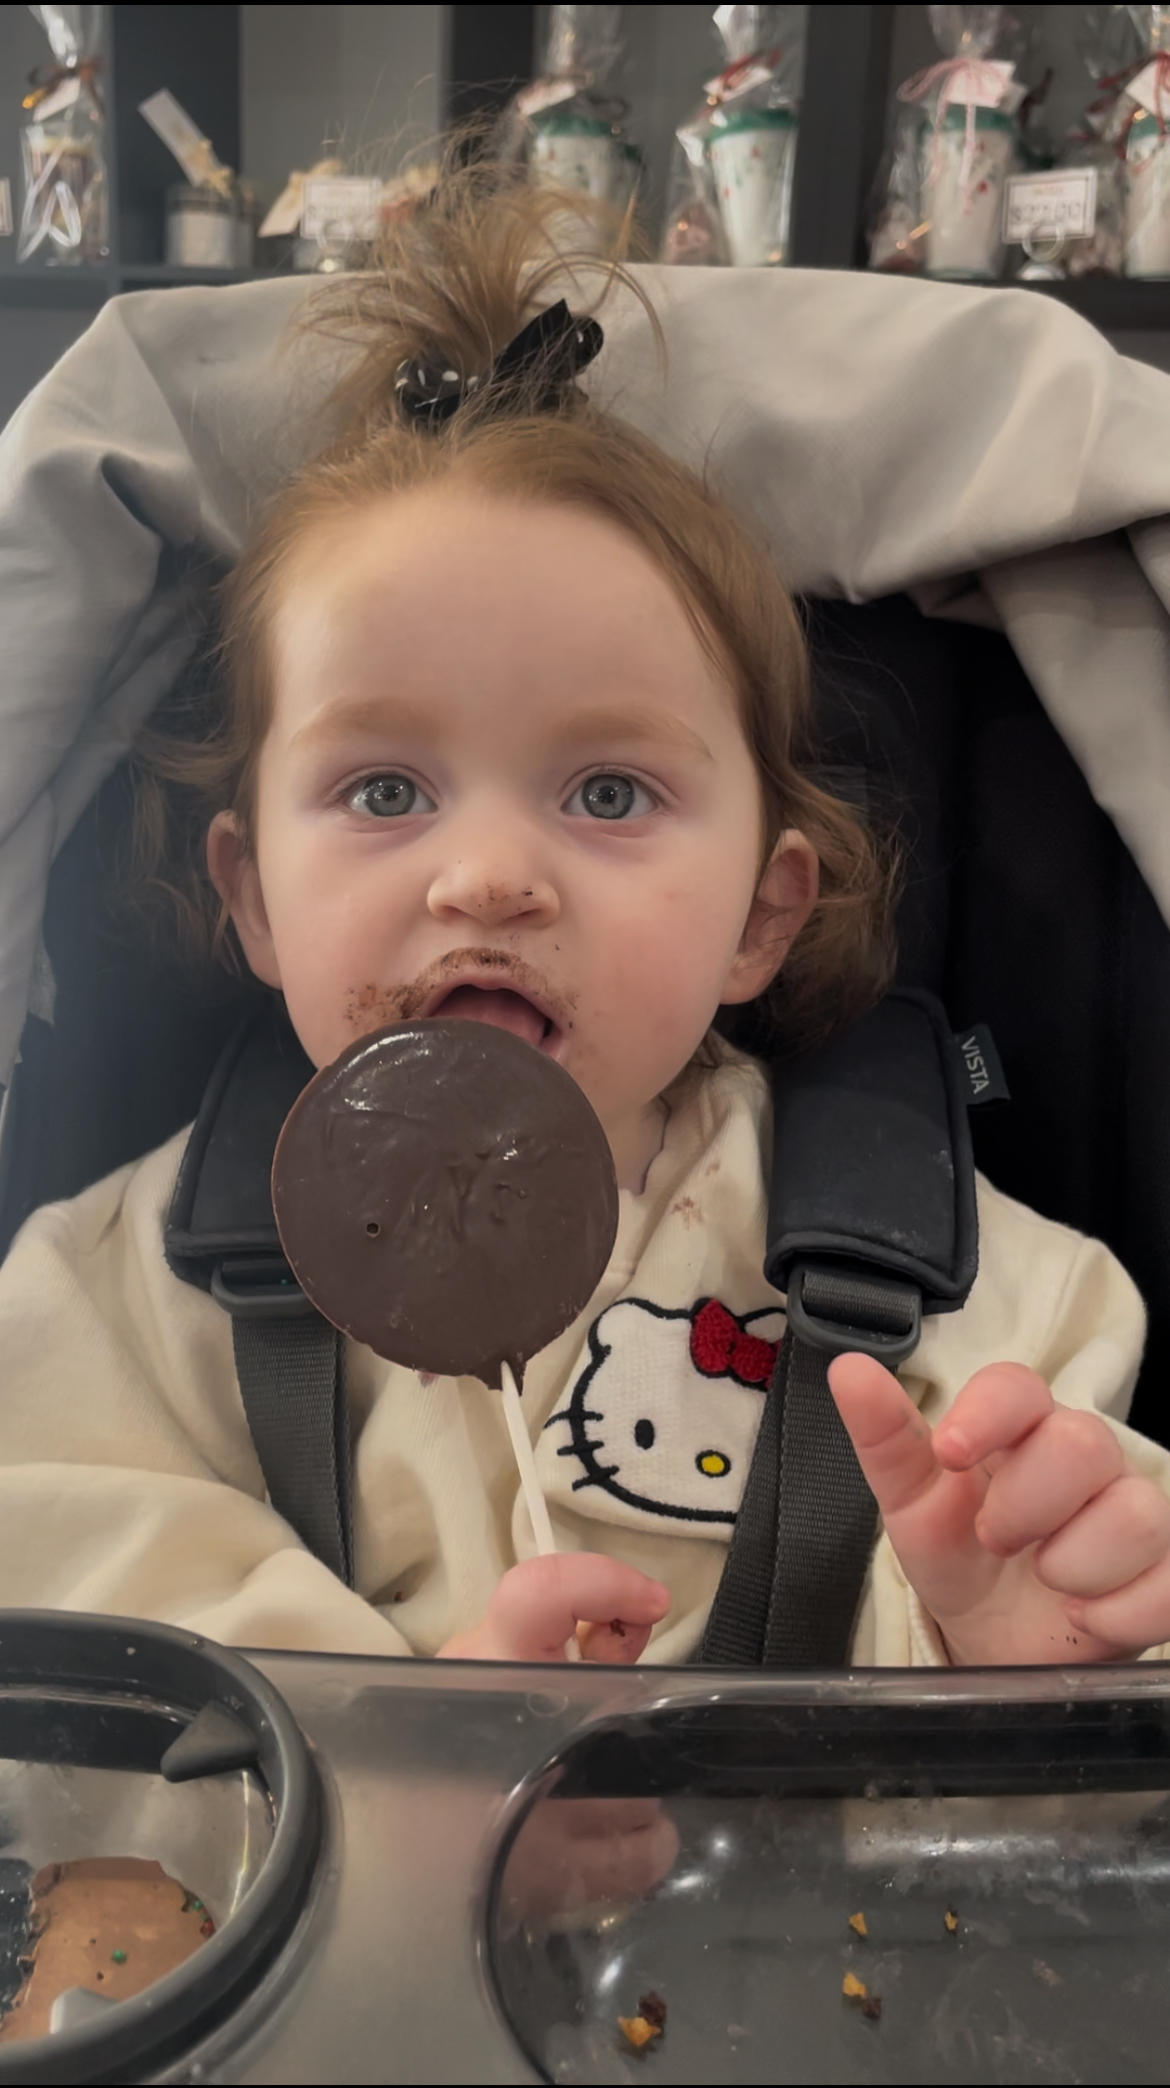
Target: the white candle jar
pixel 753 154
pixel 1146 218
pixel 962 193
pixel 572 150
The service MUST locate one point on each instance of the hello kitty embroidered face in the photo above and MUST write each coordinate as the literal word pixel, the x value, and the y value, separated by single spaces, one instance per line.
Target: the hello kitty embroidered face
pixel 664 1415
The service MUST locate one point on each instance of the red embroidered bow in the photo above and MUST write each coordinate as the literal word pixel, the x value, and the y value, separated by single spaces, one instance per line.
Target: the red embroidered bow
pixel 721 1348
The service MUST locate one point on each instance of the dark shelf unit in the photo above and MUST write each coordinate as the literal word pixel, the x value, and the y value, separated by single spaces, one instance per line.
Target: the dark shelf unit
pixel 196 51
pixel 488 52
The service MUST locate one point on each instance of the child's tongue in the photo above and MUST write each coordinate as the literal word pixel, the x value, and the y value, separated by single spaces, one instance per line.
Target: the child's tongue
pixel 500 1006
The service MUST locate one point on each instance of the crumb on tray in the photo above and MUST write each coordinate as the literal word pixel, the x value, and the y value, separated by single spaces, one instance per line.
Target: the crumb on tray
pixel 653 2008
pixel 855 1989
pixel 637 2031
pixel 950 1921
pixel 858 1925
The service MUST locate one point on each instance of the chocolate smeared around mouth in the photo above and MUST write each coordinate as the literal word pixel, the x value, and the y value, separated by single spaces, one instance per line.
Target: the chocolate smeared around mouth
pixel 446 1194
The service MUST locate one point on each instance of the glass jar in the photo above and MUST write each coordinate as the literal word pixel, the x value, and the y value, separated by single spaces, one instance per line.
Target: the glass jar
pixel 202 228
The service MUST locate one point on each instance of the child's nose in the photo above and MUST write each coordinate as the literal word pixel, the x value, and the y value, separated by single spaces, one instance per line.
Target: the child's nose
pixel 494 879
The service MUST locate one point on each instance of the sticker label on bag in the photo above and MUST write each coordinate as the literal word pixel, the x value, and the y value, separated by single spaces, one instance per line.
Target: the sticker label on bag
pixel 984 1071
pixel 341 206
pixel 981 82
pixel 1050 205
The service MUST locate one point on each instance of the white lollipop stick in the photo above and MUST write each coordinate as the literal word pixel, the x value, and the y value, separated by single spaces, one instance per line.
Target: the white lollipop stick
pixel 530 1486
pixel 525 1456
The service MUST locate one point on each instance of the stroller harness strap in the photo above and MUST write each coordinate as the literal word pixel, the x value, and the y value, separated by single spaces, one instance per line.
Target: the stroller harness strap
pixel 221 1235
pixel 872 1222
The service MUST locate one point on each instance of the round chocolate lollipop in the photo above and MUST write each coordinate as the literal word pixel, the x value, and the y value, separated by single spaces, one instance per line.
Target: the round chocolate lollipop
pixel 445 1194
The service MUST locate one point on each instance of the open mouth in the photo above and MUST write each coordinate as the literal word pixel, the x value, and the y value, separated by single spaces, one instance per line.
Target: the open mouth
pixel 504 1008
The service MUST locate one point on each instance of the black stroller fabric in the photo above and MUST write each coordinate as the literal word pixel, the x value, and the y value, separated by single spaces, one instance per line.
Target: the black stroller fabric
pixel 1022 909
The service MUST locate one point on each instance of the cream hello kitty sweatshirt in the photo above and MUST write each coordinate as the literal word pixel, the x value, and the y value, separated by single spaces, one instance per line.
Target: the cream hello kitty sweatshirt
pixel 129 1485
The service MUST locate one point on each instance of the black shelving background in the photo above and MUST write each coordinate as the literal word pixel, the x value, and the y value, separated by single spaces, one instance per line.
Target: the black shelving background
pixel 488 51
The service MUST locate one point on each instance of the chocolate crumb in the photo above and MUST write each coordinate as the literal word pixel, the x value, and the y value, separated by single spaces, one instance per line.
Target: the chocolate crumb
pixel 617 1627
pixel 871 2008
pixel 653 2007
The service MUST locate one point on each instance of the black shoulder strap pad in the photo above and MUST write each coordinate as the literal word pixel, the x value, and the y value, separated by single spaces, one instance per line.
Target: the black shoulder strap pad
pixel 222 1205
pixel 872 1168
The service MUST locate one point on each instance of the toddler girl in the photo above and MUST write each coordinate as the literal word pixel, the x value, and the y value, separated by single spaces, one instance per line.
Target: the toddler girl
pixel 514 729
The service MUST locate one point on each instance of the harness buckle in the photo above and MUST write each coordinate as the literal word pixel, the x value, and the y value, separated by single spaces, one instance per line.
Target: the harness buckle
pixel 259 1286
pixel 839 1309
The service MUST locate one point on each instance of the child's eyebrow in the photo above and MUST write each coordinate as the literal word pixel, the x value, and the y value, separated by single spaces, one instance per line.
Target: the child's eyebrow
pixel 377 717
pixel 625 727
pixel 391 717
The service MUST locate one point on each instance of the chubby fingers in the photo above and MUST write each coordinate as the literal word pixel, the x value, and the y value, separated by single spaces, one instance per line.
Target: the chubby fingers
pixel 996 1409
pixel 1122 1532
pixel 892 1441
pixel 1132 1618
pixel 1045 1483
pixel 538 1605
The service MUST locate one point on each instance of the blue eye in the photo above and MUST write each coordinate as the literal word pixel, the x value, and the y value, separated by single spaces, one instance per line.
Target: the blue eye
pixel 389 797
pixel 607 796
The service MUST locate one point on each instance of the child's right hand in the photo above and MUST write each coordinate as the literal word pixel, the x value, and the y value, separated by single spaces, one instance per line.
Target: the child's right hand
pixel 540 1604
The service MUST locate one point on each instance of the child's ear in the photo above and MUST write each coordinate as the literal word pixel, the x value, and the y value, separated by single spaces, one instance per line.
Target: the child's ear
pixel 785 897
pixel 233 872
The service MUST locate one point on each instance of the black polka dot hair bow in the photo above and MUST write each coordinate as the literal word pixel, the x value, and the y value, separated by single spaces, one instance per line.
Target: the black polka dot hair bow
pixel 537 367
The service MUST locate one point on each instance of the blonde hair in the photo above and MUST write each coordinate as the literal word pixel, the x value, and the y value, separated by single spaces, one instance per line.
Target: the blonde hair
pixel 455 284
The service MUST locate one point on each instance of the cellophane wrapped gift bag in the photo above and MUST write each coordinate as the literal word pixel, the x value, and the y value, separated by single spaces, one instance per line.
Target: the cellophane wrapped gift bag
pixel 954 140
pixel 1109 46
pixel 63 215
pixel 1142 126
pixel 729 198
pixel 568 124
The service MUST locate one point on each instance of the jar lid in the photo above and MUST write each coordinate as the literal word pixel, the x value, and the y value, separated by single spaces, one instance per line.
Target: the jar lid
pixel 725 120
pixel 184 195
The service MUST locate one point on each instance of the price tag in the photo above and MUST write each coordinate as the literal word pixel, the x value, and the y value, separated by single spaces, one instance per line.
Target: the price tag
pixel 545 94
pixel 341 207
pixel 285 214
pixel 1151 89
pixel 752 76
pixel 1063 203
pixel 182 136
pixel 63 97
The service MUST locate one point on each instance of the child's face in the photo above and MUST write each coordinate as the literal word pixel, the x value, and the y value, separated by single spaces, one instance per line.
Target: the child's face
pixel 503 780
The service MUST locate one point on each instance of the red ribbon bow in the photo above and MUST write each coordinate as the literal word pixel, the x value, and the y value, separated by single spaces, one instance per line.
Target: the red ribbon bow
pixel 721 1348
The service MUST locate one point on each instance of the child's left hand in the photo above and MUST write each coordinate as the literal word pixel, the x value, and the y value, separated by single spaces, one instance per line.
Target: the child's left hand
pixel 1017 1521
